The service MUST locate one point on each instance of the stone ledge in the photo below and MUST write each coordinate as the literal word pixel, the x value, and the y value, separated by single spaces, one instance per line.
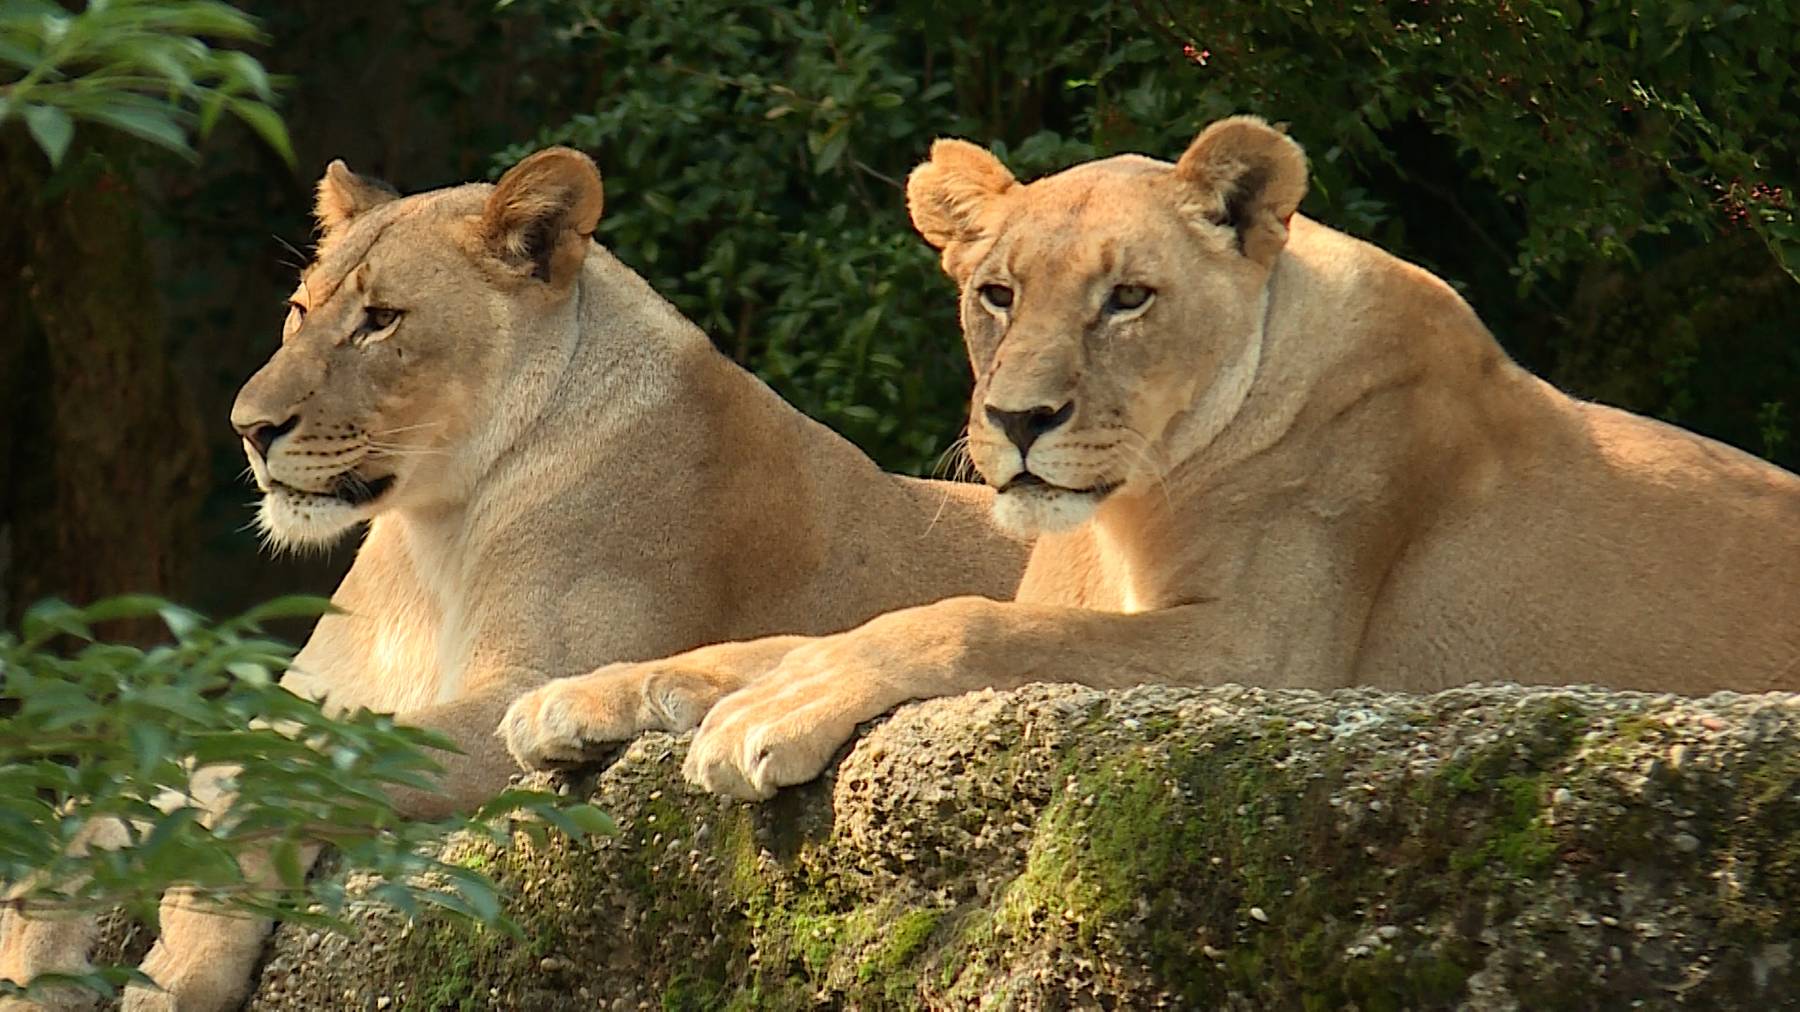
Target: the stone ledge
pixel 1490 847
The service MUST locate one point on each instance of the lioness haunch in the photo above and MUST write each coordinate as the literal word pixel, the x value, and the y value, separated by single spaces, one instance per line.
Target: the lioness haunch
pixel 1261 451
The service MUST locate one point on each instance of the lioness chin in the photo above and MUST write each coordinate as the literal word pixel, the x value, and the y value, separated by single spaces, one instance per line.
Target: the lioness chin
pixel 557 471
pixel 1262 451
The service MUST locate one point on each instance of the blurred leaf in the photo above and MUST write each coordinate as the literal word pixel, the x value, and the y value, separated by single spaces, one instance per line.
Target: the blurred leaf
pixel 267 125
pixel 51 617
pixel 591 820
pixel 51 128
pixel 291 606
pixel 137 66
pixel 148 122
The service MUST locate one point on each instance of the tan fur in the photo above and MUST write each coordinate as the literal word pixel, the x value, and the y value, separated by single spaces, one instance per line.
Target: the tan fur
pixel 1323 472
pixel 578 478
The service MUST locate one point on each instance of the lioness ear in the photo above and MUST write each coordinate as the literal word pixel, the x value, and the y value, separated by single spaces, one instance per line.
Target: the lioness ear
pixel 1249 176
pixel 947 193
pixel 342 195
pixel 543 212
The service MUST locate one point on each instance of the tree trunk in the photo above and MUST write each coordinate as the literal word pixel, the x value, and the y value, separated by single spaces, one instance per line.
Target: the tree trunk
pixel 100 450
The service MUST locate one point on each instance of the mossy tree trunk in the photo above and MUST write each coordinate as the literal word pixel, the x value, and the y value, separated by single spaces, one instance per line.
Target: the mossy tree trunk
pixel 100 447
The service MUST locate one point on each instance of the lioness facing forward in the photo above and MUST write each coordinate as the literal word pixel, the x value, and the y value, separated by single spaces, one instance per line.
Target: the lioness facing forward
pixel 559 471
pixel 1262 451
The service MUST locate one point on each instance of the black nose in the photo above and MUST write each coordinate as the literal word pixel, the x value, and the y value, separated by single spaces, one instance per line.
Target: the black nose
pixel 1024 427
pixel 263 435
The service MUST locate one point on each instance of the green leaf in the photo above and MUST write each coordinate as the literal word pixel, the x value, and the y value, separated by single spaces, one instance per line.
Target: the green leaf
pixel 182 622
pixel 290 606
pixel 832 150
pixel 145 121
pixel 591 820
pixel 17 55
pixel 255 674
pixel 267 124
pixel 52 617
pixel 245 69
pixel 477 890
pixel 287 864
pixel 125 606
pixel 149 745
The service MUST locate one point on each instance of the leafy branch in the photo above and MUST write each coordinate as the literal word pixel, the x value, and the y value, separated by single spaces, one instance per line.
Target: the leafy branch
pixel 142 67
pixel 91 730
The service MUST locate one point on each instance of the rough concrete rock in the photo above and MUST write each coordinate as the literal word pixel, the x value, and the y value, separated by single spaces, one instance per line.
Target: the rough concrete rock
pixel 1487 847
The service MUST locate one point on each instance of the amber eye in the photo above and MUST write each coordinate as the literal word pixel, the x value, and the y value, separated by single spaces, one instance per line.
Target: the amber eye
pixel 378 318
pixel 997 296
pixel 1125 298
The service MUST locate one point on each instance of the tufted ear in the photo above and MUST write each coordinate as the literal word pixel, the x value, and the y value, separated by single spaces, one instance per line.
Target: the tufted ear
pixel 542 214
pixel 947 194
pixel 1245 174
pixel 342 195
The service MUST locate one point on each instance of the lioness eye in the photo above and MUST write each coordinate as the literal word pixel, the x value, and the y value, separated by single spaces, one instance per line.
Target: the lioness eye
pixel 296 313
pixel 381 319
pixel 1127 297
pixel 998 296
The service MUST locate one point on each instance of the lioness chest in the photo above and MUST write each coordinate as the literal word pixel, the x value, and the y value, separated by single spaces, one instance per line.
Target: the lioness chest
pixel 399 643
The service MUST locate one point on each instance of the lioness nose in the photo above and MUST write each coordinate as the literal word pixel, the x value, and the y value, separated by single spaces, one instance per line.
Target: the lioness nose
pixel 1024 427
pixel 263 435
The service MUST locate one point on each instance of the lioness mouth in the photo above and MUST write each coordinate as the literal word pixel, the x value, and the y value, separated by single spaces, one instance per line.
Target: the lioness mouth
pixel 347 488
pixel 1026 480
pixel 356 492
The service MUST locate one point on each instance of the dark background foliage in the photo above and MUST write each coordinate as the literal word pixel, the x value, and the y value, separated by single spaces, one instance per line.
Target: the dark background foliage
pixel 1609 183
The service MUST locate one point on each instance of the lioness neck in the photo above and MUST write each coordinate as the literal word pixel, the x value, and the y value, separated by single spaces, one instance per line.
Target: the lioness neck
pixel 1351 335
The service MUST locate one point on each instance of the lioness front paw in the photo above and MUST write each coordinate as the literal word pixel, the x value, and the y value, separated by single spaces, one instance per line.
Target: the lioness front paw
pixel 784 729
pixel 751 760
pixel 541 730
pixel 210 979
pixel 578 719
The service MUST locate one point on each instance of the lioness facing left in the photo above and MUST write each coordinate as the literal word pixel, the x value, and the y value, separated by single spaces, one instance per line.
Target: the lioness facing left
pixel 1262 451
pixel 558 471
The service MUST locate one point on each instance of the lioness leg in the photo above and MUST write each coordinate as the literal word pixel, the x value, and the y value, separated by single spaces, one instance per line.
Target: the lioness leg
pixel 204 957
pixel 572 719
pixel 784 728
pixel 51 942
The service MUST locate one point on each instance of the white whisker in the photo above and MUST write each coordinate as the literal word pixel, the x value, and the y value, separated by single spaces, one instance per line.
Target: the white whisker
pixel 405 428
pixel 389 450
pixel 1140 447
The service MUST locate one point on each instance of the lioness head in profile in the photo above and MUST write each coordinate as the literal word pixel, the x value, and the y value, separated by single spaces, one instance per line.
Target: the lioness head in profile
pixel 1113 312
pixel 409 341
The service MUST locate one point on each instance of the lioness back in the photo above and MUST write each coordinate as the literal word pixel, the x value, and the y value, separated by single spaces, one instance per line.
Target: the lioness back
pixel 1625 551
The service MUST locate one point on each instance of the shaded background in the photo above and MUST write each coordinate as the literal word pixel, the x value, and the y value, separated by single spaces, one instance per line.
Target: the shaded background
pixel 1608 183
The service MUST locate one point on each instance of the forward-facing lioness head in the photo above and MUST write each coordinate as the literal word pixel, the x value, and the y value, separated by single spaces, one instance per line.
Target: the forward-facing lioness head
pixel 423 325
pixel 1113 312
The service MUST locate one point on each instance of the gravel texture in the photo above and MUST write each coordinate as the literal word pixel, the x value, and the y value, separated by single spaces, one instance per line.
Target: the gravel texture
pixel 1490 847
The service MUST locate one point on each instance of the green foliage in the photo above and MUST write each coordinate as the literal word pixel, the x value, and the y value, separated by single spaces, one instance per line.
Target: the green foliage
pixel 1598 123
pixel 1534 152
pixel 138 66
pixel 109 731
